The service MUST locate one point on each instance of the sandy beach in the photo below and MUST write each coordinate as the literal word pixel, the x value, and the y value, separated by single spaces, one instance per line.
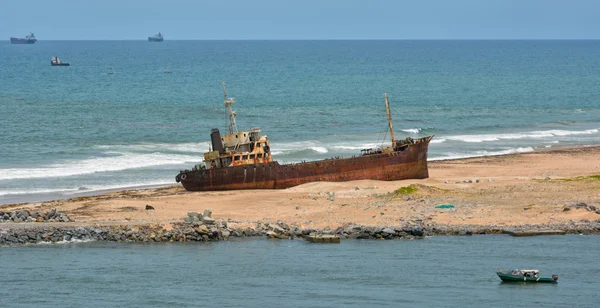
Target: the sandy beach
pixel 530 188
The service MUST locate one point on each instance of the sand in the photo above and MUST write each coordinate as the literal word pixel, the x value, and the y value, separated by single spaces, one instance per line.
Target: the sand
pixel 508 190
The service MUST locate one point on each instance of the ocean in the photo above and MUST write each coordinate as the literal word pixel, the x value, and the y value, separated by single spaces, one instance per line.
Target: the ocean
pixel 134 113
pixel 431 272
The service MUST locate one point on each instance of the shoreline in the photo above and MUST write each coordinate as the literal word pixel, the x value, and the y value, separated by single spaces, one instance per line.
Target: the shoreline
pixel 13 199
pixel 550 189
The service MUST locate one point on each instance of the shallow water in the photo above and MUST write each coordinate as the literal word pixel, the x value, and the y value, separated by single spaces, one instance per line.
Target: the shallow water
pixel 433 272
pixel 75 129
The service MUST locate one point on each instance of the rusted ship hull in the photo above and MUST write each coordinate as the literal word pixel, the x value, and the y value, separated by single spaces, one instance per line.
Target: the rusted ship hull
pixel 408 163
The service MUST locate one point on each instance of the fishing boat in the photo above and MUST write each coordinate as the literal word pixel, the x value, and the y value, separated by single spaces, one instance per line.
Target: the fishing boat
pixel 55 61
pixel 243 160
pixel 156 38
pixel 30 39
pixel 517 275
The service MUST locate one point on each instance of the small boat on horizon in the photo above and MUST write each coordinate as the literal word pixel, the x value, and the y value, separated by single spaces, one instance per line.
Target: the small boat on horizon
pixel 517 275
pixel 55 61
pixel 156 38
pixel 29 39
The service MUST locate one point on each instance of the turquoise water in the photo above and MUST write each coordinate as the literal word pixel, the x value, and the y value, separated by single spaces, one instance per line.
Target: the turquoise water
pixel 77 129
pixel 433 272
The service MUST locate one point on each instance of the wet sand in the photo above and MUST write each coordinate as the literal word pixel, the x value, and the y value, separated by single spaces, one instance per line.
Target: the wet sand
pixel 509 190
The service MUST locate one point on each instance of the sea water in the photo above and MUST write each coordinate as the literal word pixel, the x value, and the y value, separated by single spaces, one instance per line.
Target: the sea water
pixel 432 272
pixel 134 113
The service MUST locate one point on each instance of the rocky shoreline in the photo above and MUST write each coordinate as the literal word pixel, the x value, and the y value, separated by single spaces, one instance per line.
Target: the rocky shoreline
pixel 199 231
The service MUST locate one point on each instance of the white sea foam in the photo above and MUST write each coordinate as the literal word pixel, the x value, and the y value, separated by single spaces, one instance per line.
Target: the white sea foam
pixel 440 140
pixel 412 130
pixel 524 135
pixel 483 153
pixel 120 161
pixel 71 241
pixel 199 147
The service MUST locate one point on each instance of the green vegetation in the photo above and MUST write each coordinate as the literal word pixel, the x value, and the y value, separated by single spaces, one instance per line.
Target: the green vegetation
pixel 406 190
pixel 582 178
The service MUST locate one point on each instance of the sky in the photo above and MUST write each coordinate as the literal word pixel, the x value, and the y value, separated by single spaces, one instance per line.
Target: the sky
pixel 300 19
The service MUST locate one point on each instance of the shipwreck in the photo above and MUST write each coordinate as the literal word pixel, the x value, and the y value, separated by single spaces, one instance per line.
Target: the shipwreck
pixel 243 160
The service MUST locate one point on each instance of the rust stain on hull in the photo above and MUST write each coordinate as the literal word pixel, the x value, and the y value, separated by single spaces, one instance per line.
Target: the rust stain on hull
pixel 408 163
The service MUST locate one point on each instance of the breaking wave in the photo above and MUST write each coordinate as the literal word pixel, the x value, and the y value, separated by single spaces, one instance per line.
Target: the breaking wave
pixel 116 162
pixel 483 153
pixel 526 135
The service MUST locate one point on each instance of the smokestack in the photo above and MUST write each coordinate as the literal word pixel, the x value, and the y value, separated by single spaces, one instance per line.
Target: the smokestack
pixel 215 138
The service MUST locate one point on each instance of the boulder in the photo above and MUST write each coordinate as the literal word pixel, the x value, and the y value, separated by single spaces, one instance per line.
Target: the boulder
pixel 207 213
pixel 275 228
pixel 417 231
pixel 208 220
pixel 149 207
pixel 388 232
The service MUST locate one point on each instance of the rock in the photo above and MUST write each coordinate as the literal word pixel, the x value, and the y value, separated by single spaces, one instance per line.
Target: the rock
pixel 580 205
pixel 297 207
pixel 566 208
pixel 388 232
pixel 598 211
pixel 356 188
pixel 275 228
pixel 416 231
pixel 188 220
pixel 192 214
pixel 208 220
pixel 382 213
pixel 331 196
pixel 490 179
pixel 445 182
pixel 547 178
pixel 202 229
pixel 207 213
pixel 39 219
pixel 283 225
pixel 477 181
pixel 149 207
pixel 590 208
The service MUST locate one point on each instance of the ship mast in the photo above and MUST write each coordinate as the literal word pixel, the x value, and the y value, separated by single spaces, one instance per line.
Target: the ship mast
pixel 389 114
pixel 228 102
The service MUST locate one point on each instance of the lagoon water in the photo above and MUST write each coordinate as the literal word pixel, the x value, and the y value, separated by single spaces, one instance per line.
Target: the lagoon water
pixel 432 272
pixel 78 129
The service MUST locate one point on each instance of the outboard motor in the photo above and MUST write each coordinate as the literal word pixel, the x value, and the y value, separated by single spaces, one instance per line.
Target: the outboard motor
pixel 215 138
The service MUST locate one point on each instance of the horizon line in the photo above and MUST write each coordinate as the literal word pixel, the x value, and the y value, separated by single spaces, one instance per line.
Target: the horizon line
pixel 343 39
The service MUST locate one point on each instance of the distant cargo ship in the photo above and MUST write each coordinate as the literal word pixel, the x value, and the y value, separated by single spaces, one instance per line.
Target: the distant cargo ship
pixel 30 39
pixel 156 38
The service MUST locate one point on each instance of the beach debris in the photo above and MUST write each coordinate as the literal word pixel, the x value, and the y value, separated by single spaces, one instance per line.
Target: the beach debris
pixel 149 207
pixel 445 206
